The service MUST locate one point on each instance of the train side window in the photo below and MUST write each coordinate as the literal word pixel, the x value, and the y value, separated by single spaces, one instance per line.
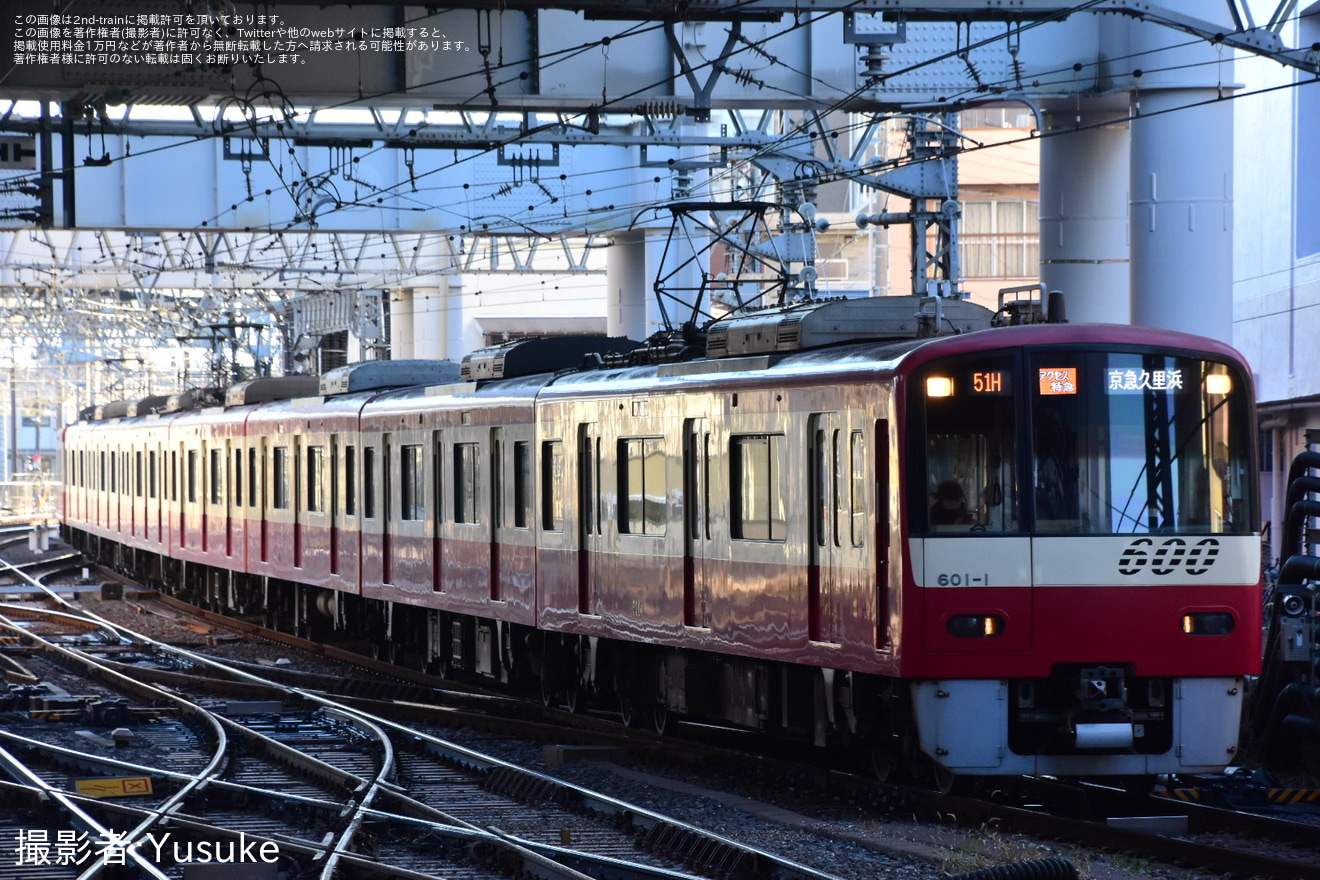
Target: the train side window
pixel 522 484
pixel 552 485
pixel 466 459
pixel 757 481
pixel 280 483
pixel 642 491
pixel 350 481
pixel 315 479
pixel 412 480
pixel 369 482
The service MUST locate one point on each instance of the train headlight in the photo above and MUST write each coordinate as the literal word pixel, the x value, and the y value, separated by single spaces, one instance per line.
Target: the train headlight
pixel 939 386
pixel 1208 623
pixel 975 626
pixel 1218 383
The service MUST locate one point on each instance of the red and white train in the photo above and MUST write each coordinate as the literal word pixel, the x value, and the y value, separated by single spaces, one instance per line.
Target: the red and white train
pixel 988 550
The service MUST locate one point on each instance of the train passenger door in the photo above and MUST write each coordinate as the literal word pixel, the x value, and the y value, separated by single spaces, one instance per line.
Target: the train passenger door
pixel 696 506
pixel 589 520
pixel 827 475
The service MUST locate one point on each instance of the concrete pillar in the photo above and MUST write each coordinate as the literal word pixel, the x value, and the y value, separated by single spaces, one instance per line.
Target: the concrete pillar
pixel 429 323
pixel 1182 220
pixel 401 324
pixel 1182 179
pixel 627 287
pixel 1084 211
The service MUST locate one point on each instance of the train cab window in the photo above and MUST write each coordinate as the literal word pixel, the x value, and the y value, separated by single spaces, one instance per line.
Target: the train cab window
pixel 552 485
pixel 970 441
pixel 350 481
pixel 412 483
pixel 280 479
pixel 315 479
pixel 643 507
pixel 757 480
pixel 1139 442
pixel 466 459
pixel 522 484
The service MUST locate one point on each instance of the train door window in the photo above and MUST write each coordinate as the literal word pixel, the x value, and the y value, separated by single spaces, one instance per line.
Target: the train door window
pixel 757 480
pixel 350 481
pixel 522 484
pixel 369 482
pixel 642 489
pixel 412 483
pixel 151 474
pixel 466 472
pixel 315 481
pixel 552 485
pixel 497 477
pixel 254 476
pixel 857 487
pixel 217 482
pixel 192 476
pixel 970 441
pixel 101 470
pixel 238 477
pixel 137 474
pixel 825 483
pixel 280 483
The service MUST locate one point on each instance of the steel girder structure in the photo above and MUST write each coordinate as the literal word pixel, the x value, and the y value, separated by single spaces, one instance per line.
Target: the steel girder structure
pixel 516 79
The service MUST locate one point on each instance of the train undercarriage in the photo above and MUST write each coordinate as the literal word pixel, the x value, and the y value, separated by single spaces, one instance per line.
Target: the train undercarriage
pixel 856 720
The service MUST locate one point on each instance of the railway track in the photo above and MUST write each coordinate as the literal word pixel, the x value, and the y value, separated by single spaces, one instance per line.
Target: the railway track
pixel 425 766
pixel 364 778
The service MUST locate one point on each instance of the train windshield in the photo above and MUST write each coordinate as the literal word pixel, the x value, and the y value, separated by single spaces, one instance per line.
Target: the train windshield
pixel 1072 442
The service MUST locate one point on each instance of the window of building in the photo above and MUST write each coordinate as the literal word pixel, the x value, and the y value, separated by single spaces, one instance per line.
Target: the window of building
pixel 642 490
pixel 466 471
pixel 1000 239
pixel 757 478
pixel 552 485
pixel 412 495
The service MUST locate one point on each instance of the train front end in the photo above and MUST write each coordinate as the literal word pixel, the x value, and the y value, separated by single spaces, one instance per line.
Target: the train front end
pixel 1083 589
